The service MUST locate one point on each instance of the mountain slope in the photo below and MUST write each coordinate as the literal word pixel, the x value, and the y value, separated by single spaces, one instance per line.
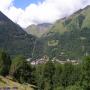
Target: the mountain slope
pixel 69 38
pixel 13 38
pixel 5 82
pixel 38 30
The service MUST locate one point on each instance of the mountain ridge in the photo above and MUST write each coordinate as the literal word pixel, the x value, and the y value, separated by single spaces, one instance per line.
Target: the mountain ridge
pixel 39 29
pixel 69 36
pixel 13 38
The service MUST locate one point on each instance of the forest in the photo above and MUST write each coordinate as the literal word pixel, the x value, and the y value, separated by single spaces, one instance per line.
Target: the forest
pixel 48 76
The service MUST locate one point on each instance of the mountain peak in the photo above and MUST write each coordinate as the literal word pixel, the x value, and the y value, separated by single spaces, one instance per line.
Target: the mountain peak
pixel 0 12
pixel 87 7
pixel 38 30
pixel 44 24
pixel 3 17
pixel 13 38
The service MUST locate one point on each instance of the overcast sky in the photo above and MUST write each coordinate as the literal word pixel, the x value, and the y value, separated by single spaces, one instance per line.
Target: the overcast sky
pixel 27 12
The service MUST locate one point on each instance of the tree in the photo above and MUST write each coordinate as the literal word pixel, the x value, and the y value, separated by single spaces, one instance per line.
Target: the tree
pixel 57 75
pixel 59 88
pixel 86 73
pixel 21 70
pixel 5 63
pixel 49 71
pixel 44 76
pixel 74 87
pixel 39 78
pixel 70 75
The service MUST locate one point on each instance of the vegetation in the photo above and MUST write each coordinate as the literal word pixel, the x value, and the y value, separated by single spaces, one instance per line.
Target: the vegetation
pixel 69 36
pixel 5 82
pixel 14 39
pixel 68 39
pixel 5 62
pixel 21 70
pixel 50 75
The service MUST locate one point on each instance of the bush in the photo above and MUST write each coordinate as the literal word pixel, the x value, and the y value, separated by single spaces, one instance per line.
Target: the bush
pixel 5 63
pixel 74 87
pixel 21 70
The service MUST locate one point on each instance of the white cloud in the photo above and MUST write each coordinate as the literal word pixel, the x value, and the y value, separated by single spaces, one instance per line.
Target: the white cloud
pixel 5 4
pixel 47 11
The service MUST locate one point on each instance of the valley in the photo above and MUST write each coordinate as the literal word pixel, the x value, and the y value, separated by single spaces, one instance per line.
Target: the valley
pixel 46 56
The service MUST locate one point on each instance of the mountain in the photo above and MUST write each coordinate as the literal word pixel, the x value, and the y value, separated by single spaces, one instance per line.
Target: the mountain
pixel 38 30
pixel 79 19
pixel 14 39
pixel 69 38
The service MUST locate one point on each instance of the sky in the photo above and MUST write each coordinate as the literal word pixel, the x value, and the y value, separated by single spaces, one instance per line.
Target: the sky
pixel 27 12
pixel 24 3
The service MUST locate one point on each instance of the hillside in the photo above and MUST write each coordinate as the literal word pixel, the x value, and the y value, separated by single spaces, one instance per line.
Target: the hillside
pixel 69 38
pixel 5 82
pixel 14 39
pixel 38 30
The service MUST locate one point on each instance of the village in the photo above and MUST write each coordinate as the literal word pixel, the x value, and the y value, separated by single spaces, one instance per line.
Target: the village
pixel 45 59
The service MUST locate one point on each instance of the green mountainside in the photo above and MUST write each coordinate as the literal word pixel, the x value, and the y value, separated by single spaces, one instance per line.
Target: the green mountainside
pixel 78 20
pixel 38 30
pixel 14 39
pixel 69 38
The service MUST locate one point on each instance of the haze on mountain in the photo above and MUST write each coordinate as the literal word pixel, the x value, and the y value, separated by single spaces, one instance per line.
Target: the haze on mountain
pixel 38 30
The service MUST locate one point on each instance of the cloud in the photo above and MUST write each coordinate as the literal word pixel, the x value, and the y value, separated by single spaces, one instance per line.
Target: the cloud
pixel 5 4
pixel 47 11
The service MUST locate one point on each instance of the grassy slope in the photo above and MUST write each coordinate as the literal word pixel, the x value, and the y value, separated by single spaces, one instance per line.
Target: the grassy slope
pixel 61 27
pixel 5 82
pixel 72 34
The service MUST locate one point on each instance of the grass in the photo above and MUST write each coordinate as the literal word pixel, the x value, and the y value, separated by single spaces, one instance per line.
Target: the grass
pixel 59 27
pixel 5 82
pixel 53 43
